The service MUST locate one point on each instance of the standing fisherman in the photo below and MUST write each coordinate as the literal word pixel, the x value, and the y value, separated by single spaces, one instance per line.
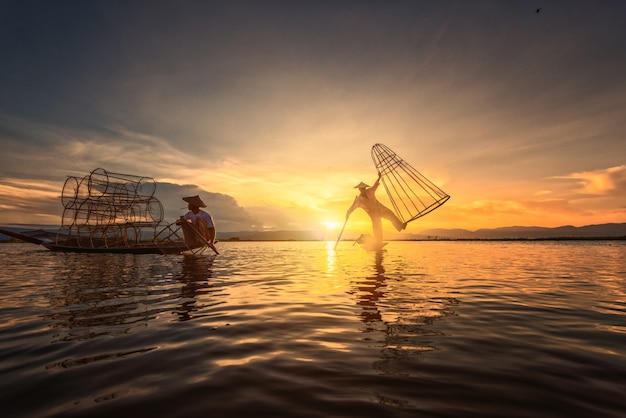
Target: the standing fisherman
pixel 367 201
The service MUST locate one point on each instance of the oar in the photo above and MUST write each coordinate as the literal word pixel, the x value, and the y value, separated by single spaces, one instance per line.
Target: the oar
pixel 341 233
pixel 344 226
pixel 199 235
pixel 206 241
pixel 212 246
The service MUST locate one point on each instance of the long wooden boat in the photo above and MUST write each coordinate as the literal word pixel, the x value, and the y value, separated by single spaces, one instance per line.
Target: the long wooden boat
pixel 50 241
pixel 106 212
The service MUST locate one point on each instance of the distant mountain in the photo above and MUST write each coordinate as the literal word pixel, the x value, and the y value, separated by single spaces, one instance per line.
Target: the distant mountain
pixel 240 235
pixel 612 230
pixel 271 236
pixel 511 232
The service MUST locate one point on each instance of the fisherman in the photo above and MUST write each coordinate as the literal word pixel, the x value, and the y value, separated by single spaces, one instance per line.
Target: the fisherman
pixel 367 201
pixel 198 226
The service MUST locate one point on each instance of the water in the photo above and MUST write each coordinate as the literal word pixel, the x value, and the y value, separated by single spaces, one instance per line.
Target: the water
pixel 296 329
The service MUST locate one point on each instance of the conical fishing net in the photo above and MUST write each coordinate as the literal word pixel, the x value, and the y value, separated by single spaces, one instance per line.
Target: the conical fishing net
pixel 411 194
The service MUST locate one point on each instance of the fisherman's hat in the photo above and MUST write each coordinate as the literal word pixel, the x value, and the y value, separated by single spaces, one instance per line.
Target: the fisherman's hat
pixel 361 185
pixel 195 201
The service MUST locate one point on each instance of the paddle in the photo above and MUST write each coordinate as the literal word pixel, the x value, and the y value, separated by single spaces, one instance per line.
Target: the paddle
pixel 344 226
pixel 210 244
pixel 341 233
pixel 189 226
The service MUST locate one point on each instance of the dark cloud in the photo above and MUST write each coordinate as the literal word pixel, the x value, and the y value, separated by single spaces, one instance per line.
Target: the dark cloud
pixel 226 212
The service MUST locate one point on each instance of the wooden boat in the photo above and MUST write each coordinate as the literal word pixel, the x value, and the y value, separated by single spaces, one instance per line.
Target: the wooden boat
pixel 369 243
pixel 52 242
pixel 108 212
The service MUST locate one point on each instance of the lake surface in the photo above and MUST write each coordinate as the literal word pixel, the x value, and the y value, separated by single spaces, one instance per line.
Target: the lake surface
pixel 297 329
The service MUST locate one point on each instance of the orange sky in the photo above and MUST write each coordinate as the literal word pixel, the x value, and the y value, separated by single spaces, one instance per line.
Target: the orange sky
pixel 269 110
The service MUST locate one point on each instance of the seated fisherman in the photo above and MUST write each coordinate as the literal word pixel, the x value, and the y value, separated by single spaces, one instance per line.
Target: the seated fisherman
pixel 198 226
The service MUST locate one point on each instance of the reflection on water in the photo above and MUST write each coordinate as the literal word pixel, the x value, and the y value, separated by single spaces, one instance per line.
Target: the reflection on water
pixel 419 329
pixel 369 291
pixel 113 294
pixel 68 363
pixel 402 317
pixel 195 275
pixel 105 295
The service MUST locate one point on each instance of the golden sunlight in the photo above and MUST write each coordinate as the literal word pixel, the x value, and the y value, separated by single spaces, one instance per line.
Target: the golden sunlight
pixel 331 224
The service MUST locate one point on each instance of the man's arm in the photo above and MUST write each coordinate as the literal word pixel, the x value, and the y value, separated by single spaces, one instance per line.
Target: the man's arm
pixel 352 207
pixel 376 183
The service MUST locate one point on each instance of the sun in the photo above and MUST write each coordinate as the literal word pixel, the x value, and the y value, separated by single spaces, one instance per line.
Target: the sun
pixel 330 224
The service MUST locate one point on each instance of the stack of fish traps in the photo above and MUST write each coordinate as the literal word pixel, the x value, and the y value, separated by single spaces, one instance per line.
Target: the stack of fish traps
pixel 104 209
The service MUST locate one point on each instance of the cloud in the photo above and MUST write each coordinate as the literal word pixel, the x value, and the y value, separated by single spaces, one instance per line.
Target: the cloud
pixel 277 105
pixel 36 201
pixel 226 212
pixel 491 207
pixel 39 150
pixel 489 213
pixel 609 181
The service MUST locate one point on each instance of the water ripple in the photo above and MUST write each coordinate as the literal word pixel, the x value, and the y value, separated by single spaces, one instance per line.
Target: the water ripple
pixel 298 329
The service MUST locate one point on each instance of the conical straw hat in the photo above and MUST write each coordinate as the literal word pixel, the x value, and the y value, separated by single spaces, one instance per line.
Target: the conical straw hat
pixel 195 201
pixel 361 185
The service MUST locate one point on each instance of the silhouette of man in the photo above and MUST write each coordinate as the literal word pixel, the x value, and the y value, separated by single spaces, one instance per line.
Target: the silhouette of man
pixel 366 200
pixel 198 225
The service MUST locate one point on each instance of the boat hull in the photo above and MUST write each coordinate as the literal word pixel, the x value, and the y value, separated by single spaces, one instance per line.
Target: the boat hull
pixel 39 237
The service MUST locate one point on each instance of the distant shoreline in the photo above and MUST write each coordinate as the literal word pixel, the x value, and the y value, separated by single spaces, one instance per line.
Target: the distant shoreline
pixel 18 241
pixel 600 232
pixel 520 239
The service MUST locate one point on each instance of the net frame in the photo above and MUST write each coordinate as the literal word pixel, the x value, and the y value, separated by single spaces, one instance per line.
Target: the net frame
pixel 411 194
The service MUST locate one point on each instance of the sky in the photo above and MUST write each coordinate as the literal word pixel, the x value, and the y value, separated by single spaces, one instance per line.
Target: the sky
pixel 269 109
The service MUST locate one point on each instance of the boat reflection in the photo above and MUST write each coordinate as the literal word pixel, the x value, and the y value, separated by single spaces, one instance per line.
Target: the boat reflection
pixel 99 294
pixel 115 294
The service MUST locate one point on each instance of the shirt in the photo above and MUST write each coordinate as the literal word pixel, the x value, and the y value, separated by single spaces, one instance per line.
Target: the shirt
pixel 201 214
pixel 368 202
